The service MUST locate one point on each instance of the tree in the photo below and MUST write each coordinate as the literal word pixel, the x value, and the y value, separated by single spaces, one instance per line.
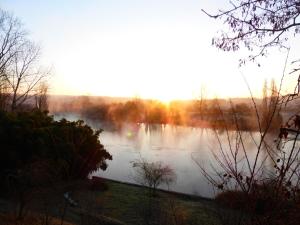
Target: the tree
pixel 269 105
pixel 11 36
pixel 20 73
pixel 69 149
pixel 4 97
pixel 41 97
pixel 153 174
pixel 36 152
pixel 156 112
pixel 24 76
pixel 11 39
pixel 257 25
pixel 201 102
pixel 242 109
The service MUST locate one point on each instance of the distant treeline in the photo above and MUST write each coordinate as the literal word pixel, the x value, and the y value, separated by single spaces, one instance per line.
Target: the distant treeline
pixel 202 113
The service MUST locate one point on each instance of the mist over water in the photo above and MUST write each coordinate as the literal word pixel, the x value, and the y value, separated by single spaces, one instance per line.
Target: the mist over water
pixel 180 147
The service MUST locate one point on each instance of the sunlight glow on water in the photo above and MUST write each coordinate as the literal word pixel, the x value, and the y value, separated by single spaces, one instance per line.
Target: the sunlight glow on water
pixel 173 146
pixel 176 146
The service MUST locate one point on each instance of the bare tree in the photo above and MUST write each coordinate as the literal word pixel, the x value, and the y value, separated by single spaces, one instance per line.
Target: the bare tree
pixel 12 38
pixel 153 174
pixel 4 97
pixel 201 102
pixel 19 70
pixel 41 97
pixel 263 182
pixel 257 25
pixel 24 75
pixel 269 103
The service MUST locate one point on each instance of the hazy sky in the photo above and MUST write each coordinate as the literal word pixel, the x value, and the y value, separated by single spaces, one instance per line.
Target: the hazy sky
pixel 148 48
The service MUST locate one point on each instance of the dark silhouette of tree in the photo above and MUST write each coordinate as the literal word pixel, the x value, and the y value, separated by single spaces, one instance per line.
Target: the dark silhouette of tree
pixel 24 75
pixel 153 174
pixel 134 110
pixel 243 109
pixel 257 25
pixel 70 149
pixel 268 105
pixel 41 97
pixel 201 102
pixel 156 113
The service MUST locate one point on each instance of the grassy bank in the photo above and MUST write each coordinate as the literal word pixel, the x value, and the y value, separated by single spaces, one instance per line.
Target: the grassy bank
pixel 114 203
pixel 128 203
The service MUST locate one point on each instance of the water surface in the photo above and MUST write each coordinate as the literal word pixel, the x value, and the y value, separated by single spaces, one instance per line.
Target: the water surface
pixel 180 147
pixel 176 146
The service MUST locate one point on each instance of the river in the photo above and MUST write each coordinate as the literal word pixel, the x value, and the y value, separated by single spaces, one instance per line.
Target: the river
pixel 181 148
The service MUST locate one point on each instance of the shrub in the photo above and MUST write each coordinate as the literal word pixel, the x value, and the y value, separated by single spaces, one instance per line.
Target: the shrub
pixel 62 148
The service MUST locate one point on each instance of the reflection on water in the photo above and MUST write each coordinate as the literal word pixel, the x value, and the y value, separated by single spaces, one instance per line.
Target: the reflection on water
pixel 176 146
pixel 171 145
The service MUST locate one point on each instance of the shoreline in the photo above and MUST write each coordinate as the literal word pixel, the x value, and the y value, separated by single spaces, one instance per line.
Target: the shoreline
pixel 174 193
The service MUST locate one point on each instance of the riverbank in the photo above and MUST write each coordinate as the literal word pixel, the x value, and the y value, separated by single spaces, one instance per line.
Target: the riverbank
pixel 114 203
pixel 130 203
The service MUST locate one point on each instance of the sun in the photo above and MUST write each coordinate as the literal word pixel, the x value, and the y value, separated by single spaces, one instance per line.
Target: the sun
pixel 166 99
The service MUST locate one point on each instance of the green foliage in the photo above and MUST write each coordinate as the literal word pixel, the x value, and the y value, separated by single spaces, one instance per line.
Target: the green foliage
pixel 66 149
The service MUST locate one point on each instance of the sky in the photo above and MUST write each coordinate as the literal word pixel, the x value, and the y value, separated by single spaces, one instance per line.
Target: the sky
pixel 144 48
